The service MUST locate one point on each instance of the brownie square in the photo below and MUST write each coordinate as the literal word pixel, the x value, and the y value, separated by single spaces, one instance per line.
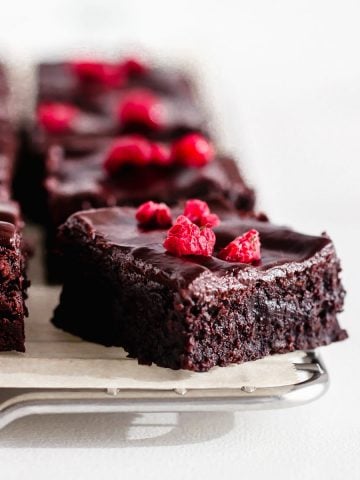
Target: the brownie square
pixel 122 288
pixel 13 284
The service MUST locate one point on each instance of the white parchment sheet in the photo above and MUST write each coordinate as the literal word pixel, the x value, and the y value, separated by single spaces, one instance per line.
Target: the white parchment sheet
pixel 55 359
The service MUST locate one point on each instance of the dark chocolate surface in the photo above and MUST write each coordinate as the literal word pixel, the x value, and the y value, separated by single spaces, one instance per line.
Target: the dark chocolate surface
pixel 7 234
pixel 11 224
pixel 10 212
pixel 182 115
pixel 57 82
pixel 281 247
pixel 83 182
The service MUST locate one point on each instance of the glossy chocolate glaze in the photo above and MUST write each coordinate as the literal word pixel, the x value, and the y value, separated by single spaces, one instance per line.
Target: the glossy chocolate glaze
pixel 10 212
pixel 283 250
pixel 182 115
pixel 98 118
pixel 8 235
pixel 83 179
pixel 11 223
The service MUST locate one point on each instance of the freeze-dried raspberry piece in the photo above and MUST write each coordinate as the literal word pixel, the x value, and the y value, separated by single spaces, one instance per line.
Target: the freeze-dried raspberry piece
pixel 141 107
pixel 243 249
pixel 156 215
pixel 160 154
pixel 128 150
pixel 104 73
pixel 199 212
pixel 57 117
pixel 193 150
pixel 186 238
pixel 133 66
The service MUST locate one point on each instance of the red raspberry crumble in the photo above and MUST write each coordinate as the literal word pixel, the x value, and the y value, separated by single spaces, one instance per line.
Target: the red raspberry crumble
pixel 151 214
pixel 193 150
pixel 160 154
pixel 243 249
pixel 129 150
pixel 56 117
pixel 199 212
pixel 141 107
pixel 104 73
pixel 186 238
pixel 133 66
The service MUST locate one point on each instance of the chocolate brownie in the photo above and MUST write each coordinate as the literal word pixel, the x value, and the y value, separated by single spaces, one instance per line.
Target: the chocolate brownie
pixel 77 183
pixel 122 288
pixel 13 284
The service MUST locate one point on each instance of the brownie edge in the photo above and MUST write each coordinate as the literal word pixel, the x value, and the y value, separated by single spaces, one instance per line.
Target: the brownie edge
pixel 121 288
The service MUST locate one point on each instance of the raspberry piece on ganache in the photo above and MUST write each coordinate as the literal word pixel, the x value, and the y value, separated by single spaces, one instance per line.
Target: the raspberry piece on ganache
pixel 193 150
pixel 243 249
pixel 57 117
pixel 199 213
pixel 142 107
pixel 133 67
pixel 128 150
pixel 152 214
pixel 103 73
pixel 186 238
pixel 160 154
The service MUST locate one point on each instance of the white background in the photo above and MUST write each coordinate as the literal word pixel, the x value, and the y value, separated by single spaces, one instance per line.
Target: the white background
pixel 284 81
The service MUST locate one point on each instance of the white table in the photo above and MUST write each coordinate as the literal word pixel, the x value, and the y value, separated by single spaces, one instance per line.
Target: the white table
pixel 285 81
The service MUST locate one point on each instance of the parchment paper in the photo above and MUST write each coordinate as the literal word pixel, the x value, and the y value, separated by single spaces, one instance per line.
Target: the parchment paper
pixel 55 359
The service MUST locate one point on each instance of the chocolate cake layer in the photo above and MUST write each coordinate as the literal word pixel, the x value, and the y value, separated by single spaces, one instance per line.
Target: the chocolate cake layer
pixel 122 288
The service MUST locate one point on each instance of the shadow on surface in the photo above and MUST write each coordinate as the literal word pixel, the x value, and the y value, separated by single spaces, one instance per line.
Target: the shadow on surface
pixel 115 430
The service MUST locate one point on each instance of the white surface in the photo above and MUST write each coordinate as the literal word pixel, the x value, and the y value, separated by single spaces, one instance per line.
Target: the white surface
pixel 285 78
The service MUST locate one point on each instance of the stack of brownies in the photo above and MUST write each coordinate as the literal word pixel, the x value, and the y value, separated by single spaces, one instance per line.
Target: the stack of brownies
pixel 153 231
